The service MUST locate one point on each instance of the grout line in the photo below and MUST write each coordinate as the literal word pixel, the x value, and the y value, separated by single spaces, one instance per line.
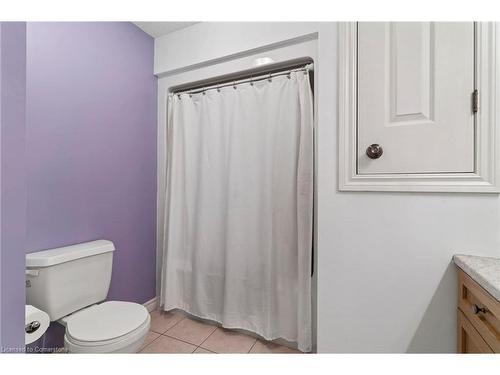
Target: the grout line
pixel 145 346
pixel 173 338
pixel 200 345
pixel 184 341
pixel 208 338
pixel 211 352
pixel 180 320
pixel 178 339
pixel 252 346
pixel 156 332
pixel 187 342
pixel 162 333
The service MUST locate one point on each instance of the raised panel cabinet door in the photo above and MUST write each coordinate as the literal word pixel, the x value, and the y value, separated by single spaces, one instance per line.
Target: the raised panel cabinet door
pixel 469 340
pixel 415 85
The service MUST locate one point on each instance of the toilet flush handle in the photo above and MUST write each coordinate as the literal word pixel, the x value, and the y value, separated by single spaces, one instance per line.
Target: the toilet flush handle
pixel 32 272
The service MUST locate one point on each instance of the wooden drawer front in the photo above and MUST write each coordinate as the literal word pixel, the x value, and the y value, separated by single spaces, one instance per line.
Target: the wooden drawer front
pixel 469 340
pixel 487 320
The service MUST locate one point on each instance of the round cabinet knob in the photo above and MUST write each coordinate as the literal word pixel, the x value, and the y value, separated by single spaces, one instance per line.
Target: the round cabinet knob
pixel 374 151
pixel 476 309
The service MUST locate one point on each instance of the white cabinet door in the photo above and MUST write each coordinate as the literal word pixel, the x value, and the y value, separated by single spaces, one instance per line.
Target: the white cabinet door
pixel 415 85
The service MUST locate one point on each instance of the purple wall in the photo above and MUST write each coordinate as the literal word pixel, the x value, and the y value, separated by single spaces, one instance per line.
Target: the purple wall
pixel 91 145
pixel 13 184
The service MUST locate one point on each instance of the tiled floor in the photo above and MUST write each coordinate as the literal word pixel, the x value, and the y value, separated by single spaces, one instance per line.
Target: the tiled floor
pixel 172 332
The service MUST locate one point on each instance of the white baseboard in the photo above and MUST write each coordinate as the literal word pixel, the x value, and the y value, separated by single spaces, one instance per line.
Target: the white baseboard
pixel 151 305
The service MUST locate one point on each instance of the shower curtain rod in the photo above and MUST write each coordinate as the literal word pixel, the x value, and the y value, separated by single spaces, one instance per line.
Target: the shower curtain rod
pixel 248 78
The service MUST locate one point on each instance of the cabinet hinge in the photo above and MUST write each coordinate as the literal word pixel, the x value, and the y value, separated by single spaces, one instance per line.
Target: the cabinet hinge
pixel 475 101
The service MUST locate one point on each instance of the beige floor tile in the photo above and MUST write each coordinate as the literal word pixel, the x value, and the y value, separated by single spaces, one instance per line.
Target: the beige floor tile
pixel 203 351
pixel 192 331
pixel 165 344
pixel 270 347
pixel 152 336
pixel 226 341
pixel 161 321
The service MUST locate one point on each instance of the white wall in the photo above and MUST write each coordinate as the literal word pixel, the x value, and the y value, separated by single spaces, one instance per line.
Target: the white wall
pixel 384 285
pixel 211 42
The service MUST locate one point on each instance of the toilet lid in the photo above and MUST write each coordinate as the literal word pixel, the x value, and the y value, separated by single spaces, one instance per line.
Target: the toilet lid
pixel 106 321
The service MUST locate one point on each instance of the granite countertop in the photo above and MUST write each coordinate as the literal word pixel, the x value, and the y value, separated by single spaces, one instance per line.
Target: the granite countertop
pixel 485 271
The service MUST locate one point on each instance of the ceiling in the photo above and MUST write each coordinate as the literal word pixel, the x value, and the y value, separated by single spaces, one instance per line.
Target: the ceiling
pixel 156 29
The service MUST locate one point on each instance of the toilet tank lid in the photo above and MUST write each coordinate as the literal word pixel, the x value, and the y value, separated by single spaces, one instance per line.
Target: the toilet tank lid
pixel 51 257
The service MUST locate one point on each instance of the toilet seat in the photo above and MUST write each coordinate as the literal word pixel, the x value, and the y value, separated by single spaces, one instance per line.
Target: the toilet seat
pixel 113 326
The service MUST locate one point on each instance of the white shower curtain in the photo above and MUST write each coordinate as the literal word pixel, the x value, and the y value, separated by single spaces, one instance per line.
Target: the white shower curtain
pixel 239 205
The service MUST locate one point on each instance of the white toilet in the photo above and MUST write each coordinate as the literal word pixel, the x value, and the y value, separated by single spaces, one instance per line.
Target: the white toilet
pixel 69 282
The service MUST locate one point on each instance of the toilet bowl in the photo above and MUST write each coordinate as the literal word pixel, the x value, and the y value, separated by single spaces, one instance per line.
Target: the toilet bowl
pixel 109 327
pixel 70 284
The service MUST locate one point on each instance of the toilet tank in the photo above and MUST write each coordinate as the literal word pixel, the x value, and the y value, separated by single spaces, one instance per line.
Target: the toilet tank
pixel 63 280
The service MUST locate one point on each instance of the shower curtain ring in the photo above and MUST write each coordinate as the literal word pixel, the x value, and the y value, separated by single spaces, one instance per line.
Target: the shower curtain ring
pixel 218 88
pixel 269 79
pixel 234 85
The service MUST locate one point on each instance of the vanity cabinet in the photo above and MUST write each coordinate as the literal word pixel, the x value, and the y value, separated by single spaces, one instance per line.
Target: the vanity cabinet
pixel 478 318
pixel 469 340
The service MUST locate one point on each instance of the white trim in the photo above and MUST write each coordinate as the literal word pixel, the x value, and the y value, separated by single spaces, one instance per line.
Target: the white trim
pixel 234 56
pixel 486 178
pixel 151 305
